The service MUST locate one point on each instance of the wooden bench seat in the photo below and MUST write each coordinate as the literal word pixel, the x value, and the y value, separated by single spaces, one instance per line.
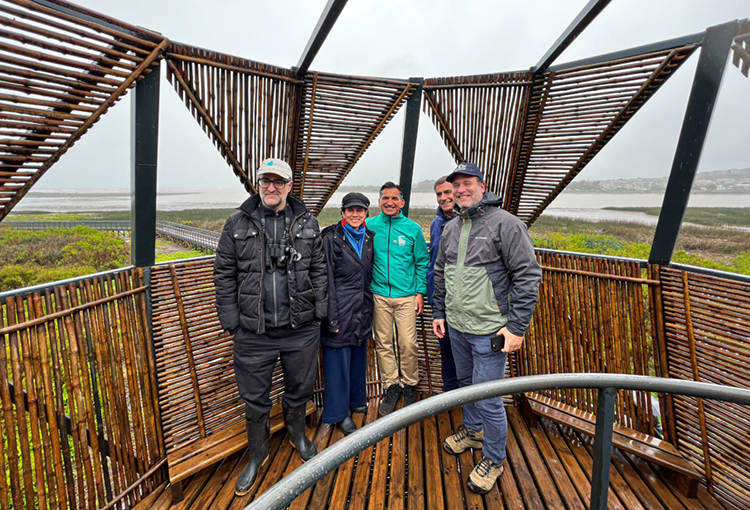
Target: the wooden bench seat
pixel 626 439
pixel 188 460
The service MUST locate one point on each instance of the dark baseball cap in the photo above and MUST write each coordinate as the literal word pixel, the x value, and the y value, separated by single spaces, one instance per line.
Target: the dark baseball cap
pixel 355 199
pixel 466 169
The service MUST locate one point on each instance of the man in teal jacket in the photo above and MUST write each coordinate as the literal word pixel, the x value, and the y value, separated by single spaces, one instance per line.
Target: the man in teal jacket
pixel 399 283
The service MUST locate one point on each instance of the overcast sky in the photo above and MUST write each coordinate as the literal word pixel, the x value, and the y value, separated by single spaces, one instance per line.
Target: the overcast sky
pixel 403 38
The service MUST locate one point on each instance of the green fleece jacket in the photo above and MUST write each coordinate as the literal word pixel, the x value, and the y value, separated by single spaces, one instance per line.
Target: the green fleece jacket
pixel 401 257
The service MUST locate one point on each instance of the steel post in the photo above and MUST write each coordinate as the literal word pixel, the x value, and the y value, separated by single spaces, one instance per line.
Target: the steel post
pixel 144 145
pixel 706 84
pixel 605 419
pixel 409 144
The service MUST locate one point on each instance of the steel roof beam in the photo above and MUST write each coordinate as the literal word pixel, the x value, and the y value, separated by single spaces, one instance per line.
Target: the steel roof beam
pixel 327 19
pixel 579 24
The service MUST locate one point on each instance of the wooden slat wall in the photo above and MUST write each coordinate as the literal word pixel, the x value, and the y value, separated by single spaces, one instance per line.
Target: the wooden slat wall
pixel 532 139
pixel 79 417
pixel 58 75
pixel 708 340
pixel 247 109
pixel 340 118
pixel 592 316
pixel 480 119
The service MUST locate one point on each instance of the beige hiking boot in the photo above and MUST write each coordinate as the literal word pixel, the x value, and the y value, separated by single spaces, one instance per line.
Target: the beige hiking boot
pixel 463 439
pixel 484 476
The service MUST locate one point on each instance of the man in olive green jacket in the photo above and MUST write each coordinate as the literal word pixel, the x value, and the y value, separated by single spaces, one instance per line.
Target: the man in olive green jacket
pixel 486 286
pixel 399 283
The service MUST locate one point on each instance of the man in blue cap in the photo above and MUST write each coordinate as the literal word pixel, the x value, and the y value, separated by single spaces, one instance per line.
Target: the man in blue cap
pixel 486 287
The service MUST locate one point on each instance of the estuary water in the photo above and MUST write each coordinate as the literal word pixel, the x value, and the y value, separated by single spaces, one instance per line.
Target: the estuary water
pixel 571 205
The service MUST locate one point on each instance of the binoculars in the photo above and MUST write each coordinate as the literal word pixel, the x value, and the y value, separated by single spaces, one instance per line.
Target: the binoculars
pixel 277 254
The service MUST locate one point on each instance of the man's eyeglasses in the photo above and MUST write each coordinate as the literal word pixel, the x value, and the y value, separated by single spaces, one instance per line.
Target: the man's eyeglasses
pixel 278 183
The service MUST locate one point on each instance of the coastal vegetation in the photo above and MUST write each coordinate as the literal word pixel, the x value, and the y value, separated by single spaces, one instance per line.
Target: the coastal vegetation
pixel 34 257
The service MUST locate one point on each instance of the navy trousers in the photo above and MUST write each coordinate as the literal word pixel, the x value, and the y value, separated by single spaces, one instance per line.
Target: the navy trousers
pixel 345 371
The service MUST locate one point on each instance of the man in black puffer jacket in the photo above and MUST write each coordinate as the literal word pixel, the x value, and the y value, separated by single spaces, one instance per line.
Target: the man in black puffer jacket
pixel 270 277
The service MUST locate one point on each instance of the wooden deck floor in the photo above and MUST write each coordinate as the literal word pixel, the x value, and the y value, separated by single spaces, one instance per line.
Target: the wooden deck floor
pixel 548 467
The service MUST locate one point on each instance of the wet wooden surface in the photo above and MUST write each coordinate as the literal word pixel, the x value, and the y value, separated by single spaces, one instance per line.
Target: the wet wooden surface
pixel 548 467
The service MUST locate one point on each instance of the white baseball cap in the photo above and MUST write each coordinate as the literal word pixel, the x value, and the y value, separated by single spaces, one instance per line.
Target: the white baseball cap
pixel 276 167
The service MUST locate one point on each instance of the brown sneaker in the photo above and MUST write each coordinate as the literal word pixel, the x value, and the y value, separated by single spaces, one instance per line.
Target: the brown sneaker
pixel 463 439
pixel 484 476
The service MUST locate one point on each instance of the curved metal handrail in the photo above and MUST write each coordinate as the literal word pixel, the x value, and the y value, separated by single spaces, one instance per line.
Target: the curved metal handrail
pixel 291 486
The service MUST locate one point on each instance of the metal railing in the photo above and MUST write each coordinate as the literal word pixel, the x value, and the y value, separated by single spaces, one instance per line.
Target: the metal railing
pixel 282 493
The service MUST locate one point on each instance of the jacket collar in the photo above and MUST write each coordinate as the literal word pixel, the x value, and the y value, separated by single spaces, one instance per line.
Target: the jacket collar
pixel 441 214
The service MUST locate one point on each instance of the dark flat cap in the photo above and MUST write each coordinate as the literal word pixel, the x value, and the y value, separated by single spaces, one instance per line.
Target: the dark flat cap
pixel 355 199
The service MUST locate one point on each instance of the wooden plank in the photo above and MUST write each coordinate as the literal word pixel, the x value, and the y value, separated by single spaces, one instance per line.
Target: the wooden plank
pixel 376 501
pixel 193 489
pixel 206 452
pixel 544 481
pixel 148 502
pixel 658 487
pixel 556 469
pixel 451 478
pixel 658 455
pixel 702 498
pixel 345 473
pixel 623 479
pixel 322 489
pixel 523 476
pixel 360 486
pixel 397 480
pixel 416 485
pixel 576 474
pixel 322 437
pixel 432 472
pixel 212 488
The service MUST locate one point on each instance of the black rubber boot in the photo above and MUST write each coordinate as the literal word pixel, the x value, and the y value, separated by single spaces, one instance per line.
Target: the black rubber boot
pixel 257 453
pixel 294 418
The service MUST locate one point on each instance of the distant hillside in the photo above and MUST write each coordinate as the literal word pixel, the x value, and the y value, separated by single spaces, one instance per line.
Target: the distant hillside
pixel 720 181
pixel 421 186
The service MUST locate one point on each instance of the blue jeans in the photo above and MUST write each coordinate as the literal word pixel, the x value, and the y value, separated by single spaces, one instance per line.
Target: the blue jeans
pixel 476 362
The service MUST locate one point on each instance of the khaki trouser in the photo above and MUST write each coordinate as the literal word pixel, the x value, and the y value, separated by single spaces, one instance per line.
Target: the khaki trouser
pixel 400 311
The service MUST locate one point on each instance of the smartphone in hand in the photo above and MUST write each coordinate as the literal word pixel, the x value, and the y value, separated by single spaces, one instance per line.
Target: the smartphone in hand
pixel 497 342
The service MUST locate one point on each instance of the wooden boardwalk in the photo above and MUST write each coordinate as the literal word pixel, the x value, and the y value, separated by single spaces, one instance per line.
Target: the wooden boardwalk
pixel 548 467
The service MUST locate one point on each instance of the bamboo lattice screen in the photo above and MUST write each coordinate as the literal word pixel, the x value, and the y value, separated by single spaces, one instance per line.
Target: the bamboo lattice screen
pixel 592 316
pixel 707 331
pixel 247 109
pixel 80 419
pixel 480 119
pixel 340 118
pixel 551 130
pixel 58 75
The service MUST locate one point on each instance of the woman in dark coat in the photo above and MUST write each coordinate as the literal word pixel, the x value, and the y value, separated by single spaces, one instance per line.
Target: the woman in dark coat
pixel 348 247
